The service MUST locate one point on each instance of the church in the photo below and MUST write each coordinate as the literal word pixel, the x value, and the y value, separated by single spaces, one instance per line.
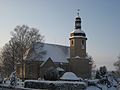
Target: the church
pixel 71 58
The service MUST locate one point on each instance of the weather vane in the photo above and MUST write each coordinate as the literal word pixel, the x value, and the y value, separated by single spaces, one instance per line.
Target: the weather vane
pixel 78 10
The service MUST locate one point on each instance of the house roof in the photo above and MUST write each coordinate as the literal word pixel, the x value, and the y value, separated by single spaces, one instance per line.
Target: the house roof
pixel 58 53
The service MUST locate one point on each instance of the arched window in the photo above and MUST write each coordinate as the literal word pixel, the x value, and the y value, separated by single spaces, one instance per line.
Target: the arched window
pixel 83 44
pixel 72 42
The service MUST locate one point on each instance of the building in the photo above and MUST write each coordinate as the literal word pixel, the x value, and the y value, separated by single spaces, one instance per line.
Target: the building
pixel 73 58
pixel 79 62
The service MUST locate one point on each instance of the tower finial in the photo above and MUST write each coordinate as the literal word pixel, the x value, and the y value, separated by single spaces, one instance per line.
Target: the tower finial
pixel 78 10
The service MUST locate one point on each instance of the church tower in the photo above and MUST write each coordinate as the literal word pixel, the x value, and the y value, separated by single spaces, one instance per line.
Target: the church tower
pixel 77 40
pixel 79 63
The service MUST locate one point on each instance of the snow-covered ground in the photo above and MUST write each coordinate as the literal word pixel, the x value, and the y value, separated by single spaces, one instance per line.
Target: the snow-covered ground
pixel 103 88
pixel 114 86
pixel 20 84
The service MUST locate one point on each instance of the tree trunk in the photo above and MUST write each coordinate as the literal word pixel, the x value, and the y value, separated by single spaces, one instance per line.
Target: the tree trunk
pixel 22 70
pixel 22 63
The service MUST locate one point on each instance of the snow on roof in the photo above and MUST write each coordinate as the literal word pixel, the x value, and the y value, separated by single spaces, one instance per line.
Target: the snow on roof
pixel 57 53
pixel 77 37
pixel 69 76
pixel 77 57
pixel 60 69
pixel 77 31
pixel 45 62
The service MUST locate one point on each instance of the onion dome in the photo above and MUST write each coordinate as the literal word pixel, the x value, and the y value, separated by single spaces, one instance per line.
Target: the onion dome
pixel 78 31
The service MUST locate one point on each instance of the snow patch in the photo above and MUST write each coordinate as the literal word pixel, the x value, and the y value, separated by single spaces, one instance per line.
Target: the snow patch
pixel 77 31
pixel 70 76
pixel 60 69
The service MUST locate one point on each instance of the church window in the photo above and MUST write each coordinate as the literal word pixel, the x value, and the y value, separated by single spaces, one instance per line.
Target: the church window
pixel 83 44
pixel 72 42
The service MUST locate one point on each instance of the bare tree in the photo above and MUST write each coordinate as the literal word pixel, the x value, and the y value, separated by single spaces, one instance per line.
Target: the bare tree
pixel 117 64
pixel 23 39
pixel 4 58
pixel 8 58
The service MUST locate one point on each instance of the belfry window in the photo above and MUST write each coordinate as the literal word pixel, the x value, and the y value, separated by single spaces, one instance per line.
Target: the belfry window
pixel 72 42
pixel 83 44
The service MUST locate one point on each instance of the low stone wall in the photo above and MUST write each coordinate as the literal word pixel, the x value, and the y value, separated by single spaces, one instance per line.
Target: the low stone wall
pixel 55 85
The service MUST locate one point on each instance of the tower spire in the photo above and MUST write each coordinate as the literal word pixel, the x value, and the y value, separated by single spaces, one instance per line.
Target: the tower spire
pixel 78 20
pixel 78 10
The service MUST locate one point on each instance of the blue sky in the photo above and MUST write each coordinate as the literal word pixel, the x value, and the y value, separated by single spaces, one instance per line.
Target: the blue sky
pixel 55 19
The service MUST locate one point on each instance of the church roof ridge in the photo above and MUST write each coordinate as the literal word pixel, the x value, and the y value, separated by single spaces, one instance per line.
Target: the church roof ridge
pixel 56 44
